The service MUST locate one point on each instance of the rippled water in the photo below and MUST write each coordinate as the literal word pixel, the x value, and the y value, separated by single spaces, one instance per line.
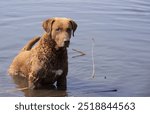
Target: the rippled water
pixel 120 29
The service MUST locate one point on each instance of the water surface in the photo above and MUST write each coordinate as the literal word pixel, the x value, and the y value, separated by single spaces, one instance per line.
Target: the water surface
pixel 120 29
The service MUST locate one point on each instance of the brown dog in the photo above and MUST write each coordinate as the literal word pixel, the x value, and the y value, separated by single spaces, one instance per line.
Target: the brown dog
pixel 47 62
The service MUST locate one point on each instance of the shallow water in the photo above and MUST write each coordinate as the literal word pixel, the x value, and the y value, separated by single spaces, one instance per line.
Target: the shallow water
pixel 121 33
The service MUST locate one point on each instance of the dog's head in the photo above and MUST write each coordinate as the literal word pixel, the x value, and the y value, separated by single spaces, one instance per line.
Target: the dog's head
pixel 60 30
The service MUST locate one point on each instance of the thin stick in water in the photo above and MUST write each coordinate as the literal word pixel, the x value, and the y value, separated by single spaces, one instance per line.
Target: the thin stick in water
pixel 14 90
pixel 93 61
pixel 81 53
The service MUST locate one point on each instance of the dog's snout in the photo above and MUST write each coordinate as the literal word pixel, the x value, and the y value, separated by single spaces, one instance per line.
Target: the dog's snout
pixel 67 42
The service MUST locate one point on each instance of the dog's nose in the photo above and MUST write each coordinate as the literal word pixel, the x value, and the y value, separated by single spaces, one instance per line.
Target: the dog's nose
pixel 66 43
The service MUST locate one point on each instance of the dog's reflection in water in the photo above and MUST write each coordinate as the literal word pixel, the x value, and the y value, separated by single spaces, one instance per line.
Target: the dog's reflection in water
pixel 47 91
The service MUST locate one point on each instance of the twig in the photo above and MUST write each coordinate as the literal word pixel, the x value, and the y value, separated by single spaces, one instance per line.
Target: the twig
pixel 93 61
pixel 21 89
pixel 81 53
pixel 15 90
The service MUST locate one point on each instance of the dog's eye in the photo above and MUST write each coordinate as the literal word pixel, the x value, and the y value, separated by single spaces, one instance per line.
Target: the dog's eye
pixel 58 29
pixel 68 29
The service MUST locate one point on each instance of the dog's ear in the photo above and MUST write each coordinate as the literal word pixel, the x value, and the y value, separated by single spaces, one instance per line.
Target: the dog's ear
pixel 74 26
pixel 47 25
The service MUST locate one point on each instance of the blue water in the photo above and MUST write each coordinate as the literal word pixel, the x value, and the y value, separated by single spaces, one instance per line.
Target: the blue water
pixel 121 33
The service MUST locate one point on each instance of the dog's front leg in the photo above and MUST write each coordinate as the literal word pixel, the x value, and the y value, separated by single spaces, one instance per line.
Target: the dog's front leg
pixel 33 81
pixel 35 77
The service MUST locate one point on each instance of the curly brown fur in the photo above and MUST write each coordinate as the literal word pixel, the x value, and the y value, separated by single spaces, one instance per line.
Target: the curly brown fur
pixel 47 62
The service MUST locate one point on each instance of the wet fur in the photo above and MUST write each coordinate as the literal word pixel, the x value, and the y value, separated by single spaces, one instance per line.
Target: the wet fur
pixel 46 62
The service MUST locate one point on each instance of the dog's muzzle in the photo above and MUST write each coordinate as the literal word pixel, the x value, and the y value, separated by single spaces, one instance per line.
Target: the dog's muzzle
pixel 66 43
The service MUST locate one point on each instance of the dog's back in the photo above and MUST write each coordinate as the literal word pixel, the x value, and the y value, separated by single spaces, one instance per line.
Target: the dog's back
pixel 20 63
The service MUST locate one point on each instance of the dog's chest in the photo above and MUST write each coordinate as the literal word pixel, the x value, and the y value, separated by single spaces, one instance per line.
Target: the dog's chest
pixel 55 66
pixel 56 62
